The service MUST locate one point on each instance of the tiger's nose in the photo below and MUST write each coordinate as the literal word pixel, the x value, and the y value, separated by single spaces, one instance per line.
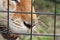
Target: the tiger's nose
pixel 29 24
pixel 16 0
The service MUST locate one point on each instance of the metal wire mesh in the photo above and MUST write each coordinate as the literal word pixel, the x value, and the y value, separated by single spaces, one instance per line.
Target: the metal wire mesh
pixel 41 13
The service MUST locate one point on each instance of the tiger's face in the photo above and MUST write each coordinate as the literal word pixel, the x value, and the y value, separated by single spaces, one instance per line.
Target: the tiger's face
pixel 21 22
pixel 18 22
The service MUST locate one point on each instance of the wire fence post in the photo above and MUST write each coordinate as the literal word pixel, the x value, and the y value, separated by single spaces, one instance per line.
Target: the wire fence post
pixel 55 22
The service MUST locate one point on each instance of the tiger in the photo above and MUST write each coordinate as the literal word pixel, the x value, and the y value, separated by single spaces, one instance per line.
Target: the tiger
pixel 21 22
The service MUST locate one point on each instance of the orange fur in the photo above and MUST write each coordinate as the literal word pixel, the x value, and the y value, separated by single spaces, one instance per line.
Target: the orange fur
pixel 25 6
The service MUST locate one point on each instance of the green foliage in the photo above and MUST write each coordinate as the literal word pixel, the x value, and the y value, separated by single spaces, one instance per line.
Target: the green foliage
pixel 58 8
pixel 36 38
pixel 42 38
pixel 46 5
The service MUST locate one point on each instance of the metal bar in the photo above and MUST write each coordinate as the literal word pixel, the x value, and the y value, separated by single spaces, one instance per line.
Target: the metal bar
pixel 42 13
pixel 56 35
pixel 31 21
pixel 55 21
pixel 8 20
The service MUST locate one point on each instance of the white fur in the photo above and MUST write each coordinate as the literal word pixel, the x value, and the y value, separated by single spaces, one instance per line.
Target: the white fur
pixel 15 28
pixel 18 38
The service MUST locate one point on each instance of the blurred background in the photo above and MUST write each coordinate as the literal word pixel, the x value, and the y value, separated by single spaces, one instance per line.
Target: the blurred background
pixel 46 25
